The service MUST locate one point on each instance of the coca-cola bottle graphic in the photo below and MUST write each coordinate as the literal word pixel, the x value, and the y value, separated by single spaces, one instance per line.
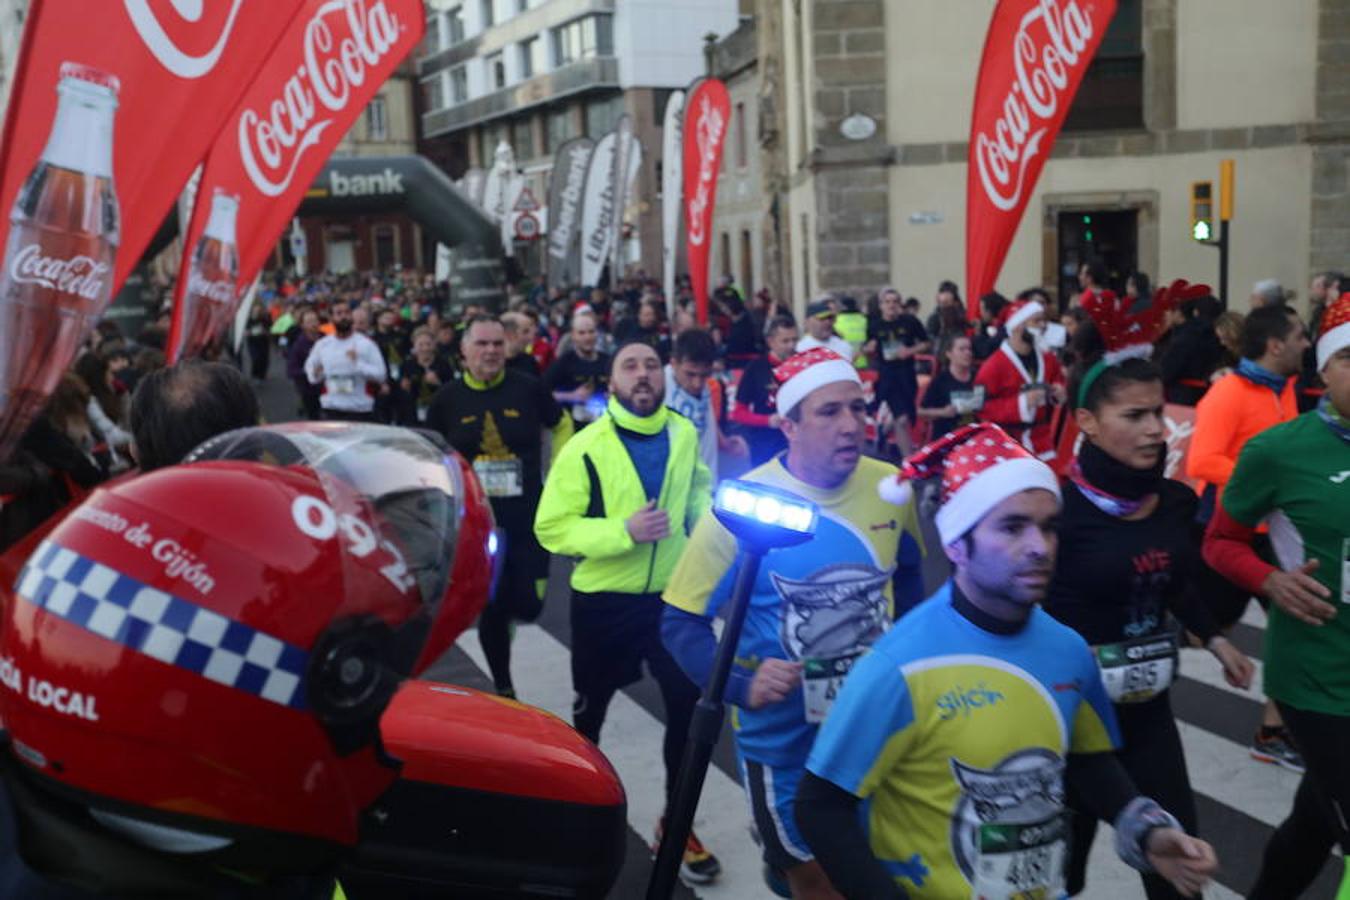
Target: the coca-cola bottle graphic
pixel 63 235
pixel 208 301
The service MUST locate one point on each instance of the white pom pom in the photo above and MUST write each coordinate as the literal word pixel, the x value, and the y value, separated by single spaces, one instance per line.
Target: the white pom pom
pixel 893 489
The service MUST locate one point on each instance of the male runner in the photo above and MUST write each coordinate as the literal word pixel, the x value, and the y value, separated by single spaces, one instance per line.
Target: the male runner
pixel 961 726
pixel 496 416
pixel 814 609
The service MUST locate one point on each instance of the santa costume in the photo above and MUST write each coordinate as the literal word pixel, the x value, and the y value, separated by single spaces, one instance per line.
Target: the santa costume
pixel 1008 378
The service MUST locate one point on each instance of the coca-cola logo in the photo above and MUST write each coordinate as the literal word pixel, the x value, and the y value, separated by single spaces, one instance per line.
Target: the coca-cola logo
pixel 272 143
pixel 170 55
pixel 708 130
pixel 219 290
pixel 1048 46
pixel 82 276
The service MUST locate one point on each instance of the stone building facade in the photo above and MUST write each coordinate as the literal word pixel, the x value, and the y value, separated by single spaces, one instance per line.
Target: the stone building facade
pixel 871 106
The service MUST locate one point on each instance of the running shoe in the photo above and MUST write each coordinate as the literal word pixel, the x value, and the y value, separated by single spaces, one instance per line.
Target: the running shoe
pixel 777 882
pixel 1276 746
pixel 699 866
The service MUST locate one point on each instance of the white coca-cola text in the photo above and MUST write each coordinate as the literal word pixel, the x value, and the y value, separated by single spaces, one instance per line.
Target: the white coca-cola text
pixel 217 290
pixel 82 276
pixel 708 130
pixel 273 142
pixel 1043 62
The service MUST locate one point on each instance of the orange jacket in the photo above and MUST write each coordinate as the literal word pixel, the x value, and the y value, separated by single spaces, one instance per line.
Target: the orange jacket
pixel 1231 413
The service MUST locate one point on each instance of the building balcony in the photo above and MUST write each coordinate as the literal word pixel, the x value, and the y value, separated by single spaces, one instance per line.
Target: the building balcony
pixel 574 78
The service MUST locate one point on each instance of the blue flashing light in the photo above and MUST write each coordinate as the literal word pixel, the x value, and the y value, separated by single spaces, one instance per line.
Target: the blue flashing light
pixel 764 516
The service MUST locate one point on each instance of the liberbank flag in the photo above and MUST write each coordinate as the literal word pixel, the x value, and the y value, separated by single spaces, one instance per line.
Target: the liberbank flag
pixel 114 102
pixel 1035 55
pixel 326 67
pixel 565 191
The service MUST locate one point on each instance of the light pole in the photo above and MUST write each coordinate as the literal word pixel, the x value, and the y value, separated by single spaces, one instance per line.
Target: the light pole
pixel 762 518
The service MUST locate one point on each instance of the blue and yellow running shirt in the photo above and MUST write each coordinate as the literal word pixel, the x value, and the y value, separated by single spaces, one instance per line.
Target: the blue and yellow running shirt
pixel 956 738
pixel 822 603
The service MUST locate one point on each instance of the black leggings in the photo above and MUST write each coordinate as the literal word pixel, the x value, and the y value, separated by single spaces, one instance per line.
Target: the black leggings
pixel 516 600
pixel 1151 753
pixel 1299 848
pixel 612 635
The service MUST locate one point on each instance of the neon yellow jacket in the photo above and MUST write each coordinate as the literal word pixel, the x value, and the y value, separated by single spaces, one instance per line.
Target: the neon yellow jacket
pixel 592 490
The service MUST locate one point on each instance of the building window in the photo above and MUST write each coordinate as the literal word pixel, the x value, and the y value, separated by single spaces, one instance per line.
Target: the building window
pixel 384 238
pixel 747 276
pixel 583 39
pixel 459 84
pixel 522 138
pixel 377 119
pixel 532 58
pixel 433 93
pixel 490 136
pixel 488 19
pixel 1111 95
pixel 454 21
pixel 522 5
pixel 741 150
pixel 602 115
pixel 726 255
pixel 496 70
pixel 559 126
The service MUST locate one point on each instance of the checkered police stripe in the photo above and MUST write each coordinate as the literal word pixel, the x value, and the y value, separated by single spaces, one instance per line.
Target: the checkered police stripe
pixel 162 626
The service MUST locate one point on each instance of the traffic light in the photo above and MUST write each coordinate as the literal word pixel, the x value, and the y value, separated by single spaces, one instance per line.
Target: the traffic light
pixel 1202 210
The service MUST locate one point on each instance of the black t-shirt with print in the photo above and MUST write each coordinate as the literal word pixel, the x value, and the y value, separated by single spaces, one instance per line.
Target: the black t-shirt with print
pixel 1117 579
pixel 902 331
pixel 498 430
pixel 570 372
pixel 939 394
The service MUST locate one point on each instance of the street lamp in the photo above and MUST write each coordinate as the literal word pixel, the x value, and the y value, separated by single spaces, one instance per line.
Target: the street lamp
pixel 762 518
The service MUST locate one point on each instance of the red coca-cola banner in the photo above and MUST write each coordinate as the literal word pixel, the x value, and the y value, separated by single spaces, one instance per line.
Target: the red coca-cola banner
pixel 1034 58
pixel 114 102
pixel 332 59
pixel 705 129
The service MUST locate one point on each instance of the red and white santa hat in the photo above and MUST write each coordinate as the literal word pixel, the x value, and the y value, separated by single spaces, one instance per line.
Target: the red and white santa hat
pixel 980 467
pixel 1021 311
pixel 801 374
pixel 1335 335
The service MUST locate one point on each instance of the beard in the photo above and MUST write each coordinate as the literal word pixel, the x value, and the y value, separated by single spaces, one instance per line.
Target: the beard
pixel 343 328
pixel 642 403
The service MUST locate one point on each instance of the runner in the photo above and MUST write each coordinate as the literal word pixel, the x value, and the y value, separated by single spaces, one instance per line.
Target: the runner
pixel 579 378
pixel 1259 395
pixel 893 340
pixel 690 391
pixel 1298 475
pixel 753 409
pixel 1022 383
pixel 496 417
pixel 350 368
pixel 820 333
pixel 1128 554
pixel 963 723
pixel 623 496
pixel 814 608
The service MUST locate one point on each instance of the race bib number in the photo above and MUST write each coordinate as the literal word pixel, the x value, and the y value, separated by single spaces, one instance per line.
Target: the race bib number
pixel 500 477
pixel 1138 670
pixel 965 402
pixel 342 384
pixel 1020 861
pixel 821 681
pixel 891 350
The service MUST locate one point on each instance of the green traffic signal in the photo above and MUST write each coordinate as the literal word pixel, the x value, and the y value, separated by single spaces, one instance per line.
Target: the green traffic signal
pixel 1201 230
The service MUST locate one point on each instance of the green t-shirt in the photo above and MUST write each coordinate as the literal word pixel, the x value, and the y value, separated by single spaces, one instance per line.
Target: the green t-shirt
pixel 1298 475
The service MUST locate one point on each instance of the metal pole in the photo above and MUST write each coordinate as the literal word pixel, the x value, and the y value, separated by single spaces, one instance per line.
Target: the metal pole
pixel 1223 263
pixel 704 729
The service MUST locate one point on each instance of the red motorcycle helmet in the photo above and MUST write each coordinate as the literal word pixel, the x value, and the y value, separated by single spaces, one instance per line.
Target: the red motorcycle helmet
pixel 200 656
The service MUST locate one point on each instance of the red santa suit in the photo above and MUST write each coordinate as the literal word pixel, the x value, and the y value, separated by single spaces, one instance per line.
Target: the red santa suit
pixel 1006 381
